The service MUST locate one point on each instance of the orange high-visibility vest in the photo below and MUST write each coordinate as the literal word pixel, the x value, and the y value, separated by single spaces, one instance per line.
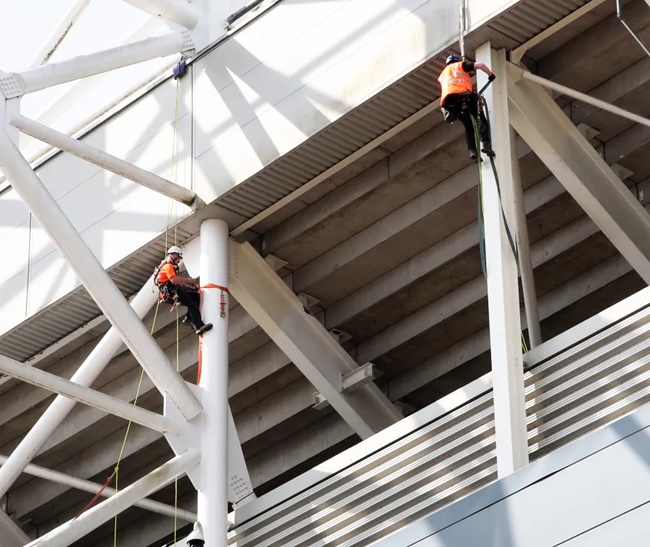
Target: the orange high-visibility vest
pixel 454 79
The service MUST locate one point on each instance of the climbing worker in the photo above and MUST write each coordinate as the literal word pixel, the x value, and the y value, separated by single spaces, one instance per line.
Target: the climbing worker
pixel 459 101
pixel 175 289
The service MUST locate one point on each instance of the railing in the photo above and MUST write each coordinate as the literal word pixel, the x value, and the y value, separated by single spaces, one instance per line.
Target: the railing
pixel 583 379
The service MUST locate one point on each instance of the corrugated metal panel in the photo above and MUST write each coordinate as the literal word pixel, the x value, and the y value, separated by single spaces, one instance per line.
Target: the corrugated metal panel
pixel 584 388
pixel 404 481
pixel 320 152
pixel 527 19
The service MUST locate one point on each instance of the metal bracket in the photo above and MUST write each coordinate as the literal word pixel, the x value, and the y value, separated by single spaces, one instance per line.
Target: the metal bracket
pixel 340 336
pixel 587 131
pixel 11 85
pixel 357 378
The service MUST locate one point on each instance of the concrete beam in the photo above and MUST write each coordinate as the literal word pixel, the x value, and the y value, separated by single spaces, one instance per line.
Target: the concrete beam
pixel 585 175
pixel 467 294
pixel 361 185
pixel 427 261
pixel 479 342
pixel 389 226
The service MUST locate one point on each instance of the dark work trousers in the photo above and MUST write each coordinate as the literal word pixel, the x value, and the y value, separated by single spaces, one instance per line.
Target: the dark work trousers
pixel 464 107
pixel 191 300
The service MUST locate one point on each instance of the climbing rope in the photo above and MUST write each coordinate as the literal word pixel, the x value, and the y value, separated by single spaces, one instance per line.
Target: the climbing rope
pixel 481 218
pixel 170 212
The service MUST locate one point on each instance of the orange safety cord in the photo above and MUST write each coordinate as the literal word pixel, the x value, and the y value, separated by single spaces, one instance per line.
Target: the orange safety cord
pixel 198 373
pixel 223 290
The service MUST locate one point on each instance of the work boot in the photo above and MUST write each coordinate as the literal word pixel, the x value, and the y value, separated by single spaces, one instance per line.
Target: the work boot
pixel 474 156
pixel 487 150
pixel 204 328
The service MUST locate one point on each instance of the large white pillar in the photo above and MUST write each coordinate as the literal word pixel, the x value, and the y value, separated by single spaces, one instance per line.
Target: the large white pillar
pixel 502 278
pixel 213 495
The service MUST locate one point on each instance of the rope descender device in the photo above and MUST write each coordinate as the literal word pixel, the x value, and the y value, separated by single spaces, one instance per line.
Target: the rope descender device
pixel 223 290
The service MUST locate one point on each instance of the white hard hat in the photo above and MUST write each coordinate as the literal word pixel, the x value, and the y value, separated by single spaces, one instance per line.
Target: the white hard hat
pixel 174 249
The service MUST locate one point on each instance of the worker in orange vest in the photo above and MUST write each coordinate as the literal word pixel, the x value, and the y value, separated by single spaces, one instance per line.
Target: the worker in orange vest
pixel 175 289
pixel 459 102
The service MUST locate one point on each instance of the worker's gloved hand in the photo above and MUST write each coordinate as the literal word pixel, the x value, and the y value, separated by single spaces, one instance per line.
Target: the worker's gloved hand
pixel 491 78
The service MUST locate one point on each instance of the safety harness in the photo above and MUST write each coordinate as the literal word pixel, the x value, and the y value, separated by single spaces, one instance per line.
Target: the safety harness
pixel 166 288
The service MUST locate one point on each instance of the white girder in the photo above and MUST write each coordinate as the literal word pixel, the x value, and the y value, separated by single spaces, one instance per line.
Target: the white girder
pixel 102 159
pixel 33 79
pixel 86 395
pixel 585 175
pixel 501 265
pixel 93 487
pixel 10 532
pixel 311 348
pixel 76 528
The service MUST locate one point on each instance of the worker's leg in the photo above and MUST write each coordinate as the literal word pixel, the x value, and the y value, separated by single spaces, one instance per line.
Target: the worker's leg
pixel 191 300
pixel 470 134
pixel 482 125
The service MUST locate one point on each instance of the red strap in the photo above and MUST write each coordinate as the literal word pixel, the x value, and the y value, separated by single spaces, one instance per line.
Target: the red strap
pixel 223 290
pixel 92 501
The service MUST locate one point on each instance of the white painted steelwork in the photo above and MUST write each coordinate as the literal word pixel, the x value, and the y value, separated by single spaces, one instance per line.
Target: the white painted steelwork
pixel 212 506
pixel 60 32
pixel 580 169
pixel 41 77
pixel 90 271
pixel 61 406
pixel 516 72
pixel 86 395
pixel 502 286
pixel 77 528
pixel 102 159
pixel 107 492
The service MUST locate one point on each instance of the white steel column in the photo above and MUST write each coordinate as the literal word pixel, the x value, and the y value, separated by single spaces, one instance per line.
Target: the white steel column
pixel 61 406
pixel 579 168
pixel 503 293
pixel 71 531
pixel 212 505
pixel 36 78
pixel 99 285
pixel 523 247
pixel 98 157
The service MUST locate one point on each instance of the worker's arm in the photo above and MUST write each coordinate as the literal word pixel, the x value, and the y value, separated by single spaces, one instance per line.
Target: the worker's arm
pixel 484 68
pixel 178 280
